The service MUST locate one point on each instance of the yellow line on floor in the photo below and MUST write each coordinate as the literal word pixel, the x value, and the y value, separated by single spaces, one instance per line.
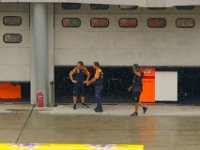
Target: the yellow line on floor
pixel 7 146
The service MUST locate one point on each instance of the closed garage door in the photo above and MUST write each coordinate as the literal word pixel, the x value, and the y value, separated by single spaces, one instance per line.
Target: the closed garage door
pixel 14 50
pixel 118 37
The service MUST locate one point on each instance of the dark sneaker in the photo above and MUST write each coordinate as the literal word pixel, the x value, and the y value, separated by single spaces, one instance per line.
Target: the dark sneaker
pixel 84 105
pixel 96 108
pixel 99 110
pixel 74 107
pixel 134 114
pixel 145 109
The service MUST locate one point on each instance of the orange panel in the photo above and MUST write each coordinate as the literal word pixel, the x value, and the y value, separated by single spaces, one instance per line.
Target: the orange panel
pixel 10 91
pixel 148 94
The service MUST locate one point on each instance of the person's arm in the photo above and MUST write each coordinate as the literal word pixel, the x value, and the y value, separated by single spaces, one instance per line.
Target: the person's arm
pixel 96 77
pixel 87 74
pixel 71 75
pixel 130 88
pixel 138 73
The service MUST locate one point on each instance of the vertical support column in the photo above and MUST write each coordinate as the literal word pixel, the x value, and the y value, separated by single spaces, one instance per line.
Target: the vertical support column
pixel 40 50
pixel 51 54
pixel 33 68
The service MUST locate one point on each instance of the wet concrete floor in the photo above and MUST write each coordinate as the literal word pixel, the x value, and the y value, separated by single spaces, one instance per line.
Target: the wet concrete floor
pixel 157 131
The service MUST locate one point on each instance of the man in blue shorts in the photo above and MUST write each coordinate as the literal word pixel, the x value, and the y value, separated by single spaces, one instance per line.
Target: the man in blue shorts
pixel 79 77
pixel 136 88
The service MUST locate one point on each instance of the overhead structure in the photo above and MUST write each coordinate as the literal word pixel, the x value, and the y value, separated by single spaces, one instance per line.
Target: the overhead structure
pixel 140 3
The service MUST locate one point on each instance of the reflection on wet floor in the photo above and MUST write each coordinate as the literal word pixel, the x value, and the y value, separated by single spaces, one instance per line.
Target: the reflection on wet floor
pixel 156 132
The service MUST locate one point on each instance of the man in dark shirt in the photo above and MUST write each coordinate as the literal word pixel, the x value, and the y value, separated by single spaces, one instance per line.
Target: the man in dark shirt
pixel 98 80
pixel 79 76
pixel 136 88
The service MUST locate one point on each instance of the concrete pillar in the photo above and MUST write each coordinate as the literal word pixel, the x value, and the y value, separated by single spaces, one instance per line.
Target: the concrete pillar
pixel 40 48
pixel 51 54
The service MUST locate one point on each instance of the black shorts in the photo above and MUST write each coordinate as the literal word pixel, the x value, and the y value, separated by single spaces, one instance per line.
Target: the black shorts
pixel 79 90
pixel 136 96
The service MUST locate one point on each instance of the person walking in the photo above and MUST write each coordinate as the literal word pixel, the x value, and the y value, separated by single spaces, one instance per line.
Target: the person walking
pixel 136 89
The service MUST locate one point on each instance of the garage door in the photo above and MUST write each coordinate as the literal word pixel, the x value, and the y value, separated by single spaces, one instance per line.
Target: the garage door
pixel 15 42
pixel 14 52
pixel 120 36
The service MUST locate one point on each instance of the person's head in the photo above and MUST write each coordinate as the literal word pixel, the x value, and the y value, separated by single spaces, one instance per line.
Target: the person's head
pixel 136 67
pixel 80 65
pixel 96 65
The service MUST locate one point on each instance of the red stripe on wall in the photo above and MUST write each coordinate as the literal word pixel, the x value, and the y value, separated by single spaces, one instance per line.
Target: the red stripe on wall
pixel 149 77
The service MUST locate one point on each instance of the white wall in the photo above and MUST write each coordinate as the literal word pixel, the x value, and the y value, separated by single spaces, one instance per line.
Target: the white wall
pixel 114 46
pixel 166 86
pixel 15 58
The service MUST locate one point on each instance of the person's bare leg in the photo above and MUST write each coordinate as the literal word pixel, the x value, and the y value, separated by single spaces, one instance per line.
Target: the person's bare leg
pixel 136 107
pixel 74 101
pixel 84 105
pixel 143 107
pixel 82 99
pixel 136 110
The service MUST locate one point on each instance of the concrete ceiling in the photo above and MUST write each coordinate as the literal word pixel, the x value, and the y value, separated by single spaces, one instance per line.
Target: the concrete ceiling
pixel 140 3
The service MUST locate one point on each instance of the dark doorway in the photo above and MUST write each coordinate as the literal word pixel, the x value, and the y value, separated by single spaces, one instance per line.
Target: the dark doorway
pixel 116 82
pixel 189 85
pixel 118 79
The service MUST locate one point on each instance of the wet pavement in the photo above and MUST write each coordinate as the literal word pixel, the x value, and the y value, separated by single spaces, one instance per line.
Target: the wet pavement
pixel 164 127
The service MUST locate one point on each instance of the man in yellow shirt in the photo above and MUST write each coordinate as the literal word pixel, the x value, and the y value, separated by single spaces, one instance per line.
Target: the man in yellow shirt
pixel 98 80
pixel 79 77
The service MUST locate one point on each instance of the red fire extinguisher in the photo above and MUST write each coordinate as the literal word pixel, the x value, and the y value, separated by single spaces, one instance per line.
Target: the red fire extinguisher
pixel 40 98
